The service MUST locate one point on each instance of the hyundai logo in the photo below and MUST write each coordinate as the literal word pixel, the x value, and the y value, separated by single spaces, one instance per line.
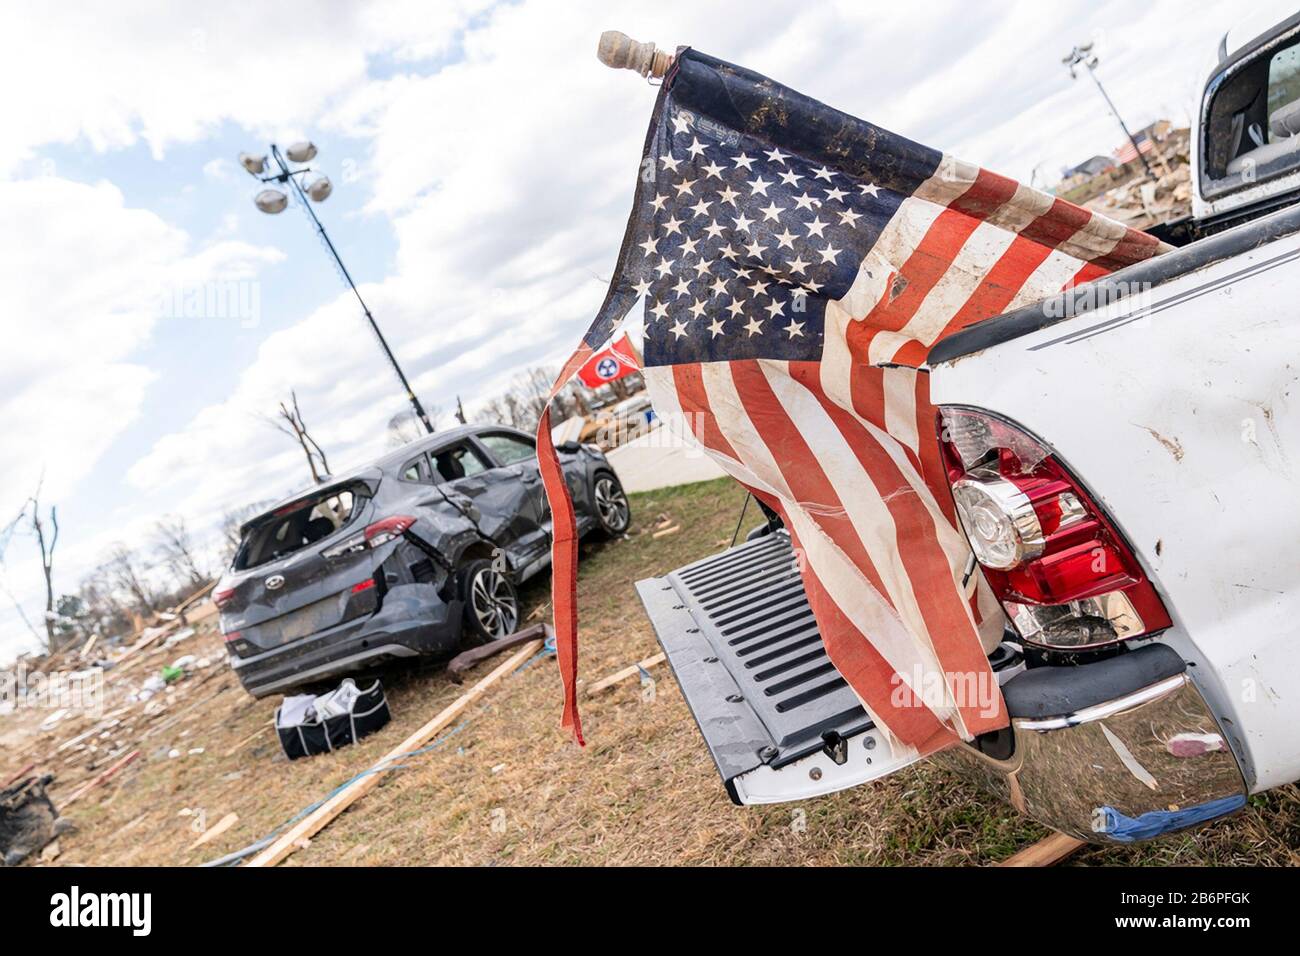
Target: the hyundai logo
pixel 275 582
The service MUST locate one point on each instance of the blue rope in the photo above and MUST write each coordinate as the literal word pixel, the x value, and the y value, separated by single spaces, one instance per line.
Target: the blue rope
pixel 547 648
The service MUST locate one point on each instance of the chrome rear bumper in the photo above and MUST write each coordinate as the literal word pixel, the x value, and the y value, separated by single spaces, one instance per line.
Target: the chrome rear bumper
pixel 1147 761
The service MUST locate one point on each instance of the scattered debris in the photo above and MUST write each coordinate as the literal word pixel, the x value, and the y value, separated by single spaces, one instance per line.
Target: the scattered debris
pixel 1045 852
pixel 663 533
pixel 214 831
pixel 362 784
pixel 108 774
pixel 28 820
pixel 463 661
pixel 630 671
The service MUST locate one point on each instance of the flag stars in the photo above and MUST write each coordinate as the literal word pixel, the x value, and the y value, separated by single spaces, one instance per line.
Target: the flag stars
pixel 719 286
pixel 702 268
pixel 642 288
pixel 728 195
pixel 798 266
pixel 735 308
pixel 670 162
pixel 660 310
pixel 815 227
pixel 682 287
pixel 754 326
pixel 758 187
pixel 790 178
pixel 829 254
pixel 794 329
pixel 697 308
pixel 701 208
pixel 772 213
pixel 774 155
pixel 717 327
pixel 696 148
pixel 673 227
pixel 806 202
pixel 823 174
pixel 651 246
pixel 836 195
pixel 678 329
pixel 713 170
pixel 658 202
pixel 759 287
pixel 688 246
pixel 681 124
pixel 869 189
pixel 743 161
pixel 775 308
pixel 714 229
pixel 849 218
pixel 743 223
pixel 664 267
pixel 755 250
pixel 785 240
pixel 684 187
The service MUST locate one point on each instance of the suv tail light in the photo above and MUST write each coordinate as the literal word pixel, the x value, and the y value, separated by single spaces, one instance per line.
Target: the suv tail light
pixel 222 598
pixel 1065 575
pixel 378 533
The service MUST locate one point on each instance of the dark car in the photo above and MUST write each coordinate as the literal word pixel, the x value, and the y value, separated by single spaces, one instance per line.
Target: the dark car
pixel 403 557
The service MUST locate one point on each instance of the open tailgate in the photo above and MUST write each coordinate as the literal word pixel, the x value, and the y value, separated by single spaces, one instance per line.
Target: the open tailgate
pixel 778 719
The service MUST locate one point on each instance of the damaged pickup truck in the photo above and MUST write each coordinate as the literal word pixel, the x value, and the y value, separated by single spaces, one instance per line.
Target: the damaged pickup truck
pixel 400 558
pixel 1124 459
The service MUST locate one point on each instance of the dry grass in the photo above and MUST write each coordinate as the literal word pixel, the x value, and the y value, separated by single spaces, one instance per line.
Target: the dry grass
pixel 509 787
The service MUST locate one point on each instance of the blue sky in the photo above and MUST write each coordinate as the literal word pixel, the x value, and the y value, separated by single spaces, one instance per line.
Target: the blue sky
pixel 483 164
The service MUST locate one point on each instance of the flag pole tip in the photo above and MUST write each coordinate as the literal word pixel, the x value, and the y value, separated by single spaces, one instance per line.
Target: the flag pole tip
pixel 618 51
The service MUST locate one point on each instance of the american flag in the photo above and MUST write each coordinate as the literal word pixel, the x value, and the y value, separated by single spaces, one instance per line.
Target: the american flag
pixel 796 264
pixel 1126 153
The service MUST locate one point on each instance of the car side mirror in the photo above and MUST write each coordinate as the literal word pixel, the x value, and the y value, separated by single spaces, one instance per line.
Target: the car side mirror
pixel 569 447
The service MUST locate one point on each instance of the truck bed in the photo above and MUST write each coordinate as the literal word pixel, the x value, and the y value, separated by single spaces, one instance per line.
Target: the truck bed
pixel 778 719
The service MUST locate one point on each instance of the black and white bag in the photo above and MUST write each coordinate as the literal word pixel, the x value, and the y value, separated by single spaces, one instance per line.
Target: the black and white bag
pixel 310 725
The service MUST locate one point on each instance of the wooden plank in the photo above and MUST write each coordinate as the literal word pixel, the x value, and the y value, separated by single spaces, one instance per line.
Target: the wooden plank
pixel 1045 852
pixel 111 771
pixel 214 831
pixel 630 671
pixel 463 661
pixel 321 817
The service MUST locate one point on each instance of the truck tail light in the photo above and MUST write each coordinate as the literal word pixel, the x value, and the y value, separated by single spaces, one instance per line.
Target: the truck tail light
pixel 1065 575
pixel 377 533
pixel 222 598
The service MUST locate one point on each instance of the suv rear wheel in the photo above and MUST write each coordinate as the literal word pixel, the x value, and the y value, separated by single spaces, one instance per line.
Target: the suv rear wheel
pixel 491 604
pixel 612 509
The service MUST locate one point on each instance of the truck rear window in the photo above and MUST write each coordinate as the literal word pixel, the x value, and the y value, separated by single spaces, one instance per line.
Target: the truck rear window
pixel 298 525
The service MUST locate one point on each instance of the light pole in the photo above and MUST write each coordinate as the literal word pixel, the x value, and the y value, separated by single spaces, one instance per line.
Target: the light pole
pixel 1083 54
pixel 273 201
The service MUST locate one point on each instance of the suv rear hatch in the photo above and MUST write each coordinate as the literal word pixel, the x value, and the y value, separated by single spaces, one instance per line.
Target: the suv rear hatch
pixel 302 568
pixel 779 720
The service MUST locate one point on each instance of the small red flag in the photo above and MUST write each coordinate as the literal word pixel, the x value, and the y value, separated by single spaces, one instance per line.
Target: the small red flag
pixel 610 363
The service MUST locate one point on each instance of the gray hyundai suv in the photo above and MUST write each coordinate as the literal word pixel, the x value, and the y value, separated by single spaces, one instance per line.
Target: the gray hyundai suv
pixel 403 557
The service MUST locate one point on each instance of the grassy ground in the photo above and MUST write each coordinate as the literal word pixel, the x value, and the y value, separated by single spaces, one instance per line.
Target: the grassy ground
pixel 507 786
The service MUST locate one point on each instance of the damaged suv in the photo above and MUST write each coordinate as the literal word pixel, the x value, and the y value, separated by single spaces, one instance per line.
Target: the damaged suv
pixel 402 557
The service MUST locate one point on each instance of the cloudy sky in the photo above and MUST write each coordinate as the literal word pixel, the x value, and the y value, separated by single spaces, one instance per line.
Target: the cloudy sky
pixel 484 164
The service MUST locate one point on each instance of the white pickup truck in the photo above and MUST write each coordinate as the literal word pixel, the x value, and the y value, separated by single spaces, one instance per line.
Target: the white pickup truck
pixel 1126 463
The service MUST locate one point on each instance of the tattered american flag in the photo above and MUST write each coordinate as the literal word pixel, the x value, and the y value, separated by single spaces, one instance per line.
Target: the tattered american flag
pixel 796 265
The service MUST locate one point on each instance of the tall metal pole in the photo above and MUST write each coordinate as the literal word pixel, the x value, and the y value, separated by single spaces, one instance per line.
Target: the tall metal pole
pixel 1083 55
pixel 287 175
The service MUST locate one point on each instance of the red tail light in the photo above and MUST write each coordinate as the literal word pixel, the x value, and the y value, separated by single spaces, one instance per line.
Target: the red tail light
pixel 365 585
pixel 222 598
pixel 232 636
pixel 376 534
pixel 385 530
pixel 1060 568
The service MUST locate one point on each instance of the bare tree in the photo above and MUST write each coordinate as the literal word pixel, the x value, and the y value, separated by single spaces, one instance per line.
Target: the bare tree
pixel 289 420
pixel 405 427
pixel 46 532
pixel 232 523
pixel 126 575
pixel 460 411
pixel 177 550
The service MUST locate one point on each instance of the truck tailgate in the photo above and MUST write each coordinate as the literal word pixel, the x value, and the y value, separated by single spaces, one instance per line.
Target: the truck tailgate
pixel 778 719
